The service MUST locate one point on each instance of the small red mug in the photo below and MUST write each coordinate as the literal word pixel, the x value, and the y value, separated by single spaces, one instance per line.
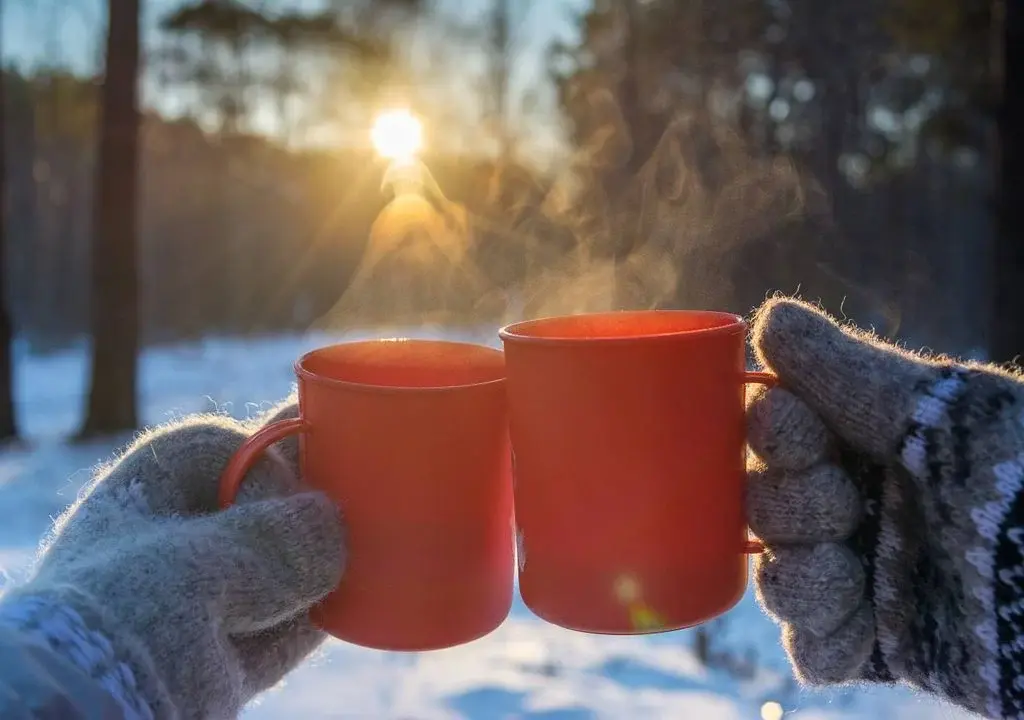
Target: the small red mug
pixel 410 439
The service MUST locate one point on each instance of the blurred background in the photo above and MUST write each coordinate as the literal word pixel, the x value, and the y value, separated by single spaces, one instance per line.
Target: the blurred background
pixel 212 163
pixel 192 196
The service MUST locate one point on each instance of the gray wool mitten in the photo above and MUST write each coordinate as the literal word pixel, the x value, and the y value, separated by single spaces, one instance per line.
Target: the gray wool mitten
pixel 888 490
pixel 181 610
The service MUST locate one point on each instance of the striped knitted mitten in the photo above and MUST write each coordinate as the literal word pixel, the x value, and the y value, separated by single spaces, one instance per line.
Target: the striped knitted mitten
pixel 888 489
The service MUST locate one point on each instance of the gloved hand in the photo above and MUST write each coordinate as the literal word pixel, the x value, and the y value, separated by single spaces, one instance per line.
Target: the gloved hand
pixel 178 609
pixel 888 490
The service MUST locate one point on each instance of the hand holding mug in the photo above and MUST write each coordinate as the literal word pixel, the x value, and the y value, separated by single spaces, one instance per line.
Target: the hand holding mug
pixel 173 608
pixel 888 489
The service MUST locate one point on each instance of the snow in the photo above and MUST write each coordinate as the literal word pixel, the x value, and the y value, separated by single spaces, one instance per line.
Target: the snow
pixel 525 669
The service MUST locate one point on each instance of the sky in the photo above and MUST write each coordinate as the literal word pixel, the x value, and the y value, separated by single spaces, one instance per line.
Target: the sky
pixel 35 31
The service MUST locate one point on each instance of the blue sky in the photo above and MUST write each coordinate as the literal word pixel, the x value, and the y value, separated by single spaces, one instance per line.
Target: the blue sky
pixel 68 31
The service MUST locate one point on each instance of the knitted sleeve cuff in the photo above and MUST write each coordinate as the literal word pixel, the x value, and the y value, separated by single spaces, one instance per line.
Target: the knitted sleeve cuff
pixel 47 622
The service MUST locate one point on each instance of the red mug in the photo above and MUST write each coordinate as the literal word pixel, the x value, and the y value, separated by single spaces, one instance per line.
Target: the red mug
pixel 628 439
pixel 410 439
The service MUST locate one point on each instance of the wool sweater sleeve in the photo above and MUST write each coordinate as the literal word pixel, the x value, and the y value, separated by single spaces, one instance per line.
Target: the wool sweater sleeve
pixel 52 666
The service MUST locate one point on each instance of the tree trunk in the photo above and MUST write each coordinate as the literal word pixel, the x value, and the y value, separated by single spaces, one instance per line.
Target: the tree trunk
pixel 1008 291
pixel 8 428
pixel 114 312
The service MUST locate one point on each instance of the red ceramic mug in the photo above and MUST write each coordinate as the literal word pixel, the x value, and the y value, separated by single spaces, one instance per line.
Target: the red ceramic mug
pixel 628 438
pixel 410 439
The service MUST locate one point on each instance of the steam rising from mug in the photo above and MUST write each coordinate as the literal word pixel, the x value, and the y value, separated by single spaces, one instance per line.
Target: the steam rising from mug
pixel 599 235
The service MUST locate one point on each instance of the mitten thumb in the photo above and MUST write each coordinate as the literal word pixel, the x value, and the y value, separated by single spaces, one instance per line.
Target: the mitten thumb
pixel 265 562
pixel 865 391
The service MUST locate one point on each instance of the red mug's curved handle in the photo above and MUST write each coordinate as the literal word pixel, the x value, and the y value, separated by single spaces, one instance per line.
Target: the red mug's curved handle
pixel 760 378
pixel 241 462
pixel 753 547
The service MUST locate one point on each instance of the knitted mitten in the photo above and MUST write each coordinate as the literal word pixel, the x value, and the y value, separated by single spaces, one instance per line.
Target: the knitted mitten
pixel 888 490
pixel 177 608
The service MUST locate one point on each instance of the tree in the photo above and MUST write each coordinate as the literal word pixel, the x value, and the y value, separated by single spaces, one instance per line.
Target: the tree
pixel 1008 269
pixel 216 39
pixel 8 427
pixel 221 51
pixel 507 21
pixel 978 46
pixel 115 309
pixel 655 146
pixel 63 112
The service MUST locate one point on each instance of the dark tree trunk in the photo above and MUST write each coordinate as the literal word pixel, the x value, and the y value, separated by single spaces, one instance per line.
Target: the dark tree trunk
pixel 1008 274
pixel 8 428
pixel 115 314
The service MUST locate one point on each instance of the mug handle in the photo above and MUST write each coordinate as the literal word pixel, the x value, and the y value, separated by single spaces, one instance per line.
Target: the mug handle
pixel 753 547
pixel 254 446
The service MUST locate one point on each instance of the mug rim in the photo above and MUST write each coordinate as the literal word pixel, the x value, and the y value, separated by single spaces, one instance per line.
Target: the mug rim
pixel 303 373
pixel 518 332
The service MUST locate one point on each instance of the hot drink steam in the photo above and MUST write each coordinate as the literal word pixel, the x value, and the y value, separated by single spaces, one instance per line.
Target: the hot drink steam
pixel 676 232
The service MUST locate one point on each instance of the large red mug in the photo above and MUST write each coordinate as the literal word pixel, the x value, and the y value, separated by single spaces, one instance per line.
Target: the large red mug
pixel 628 467
pixel 410 439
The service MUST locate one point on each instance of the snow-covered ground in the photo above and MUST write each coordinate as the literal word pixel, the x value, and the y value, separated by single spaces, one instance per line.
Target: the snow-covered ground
pixel 526 669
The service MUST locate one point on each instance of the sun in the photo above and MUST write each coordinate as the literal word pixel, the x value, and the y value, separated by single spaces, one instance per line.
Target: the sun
pixel 397 135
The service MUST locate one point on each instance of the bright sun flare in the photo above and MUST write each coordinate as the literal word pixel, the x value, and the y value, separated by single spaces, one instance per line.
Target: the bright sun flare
pixel 397 135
